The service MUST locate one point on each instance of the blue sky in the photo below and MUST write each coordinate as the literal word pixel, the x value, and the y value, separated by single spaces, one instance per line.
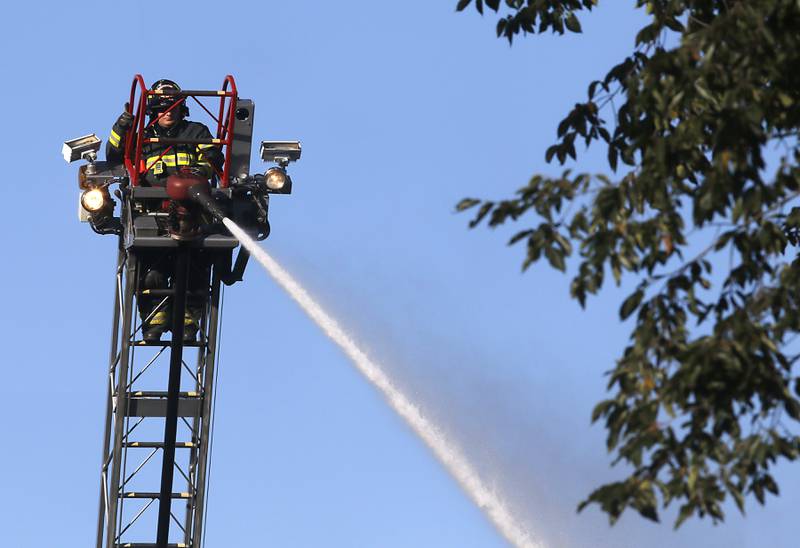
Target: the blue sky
pixel 403 108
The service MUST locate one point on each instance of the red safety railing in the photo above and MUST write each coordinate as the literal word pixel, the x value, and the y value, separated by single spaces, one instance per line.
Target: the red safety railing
pixel 135 138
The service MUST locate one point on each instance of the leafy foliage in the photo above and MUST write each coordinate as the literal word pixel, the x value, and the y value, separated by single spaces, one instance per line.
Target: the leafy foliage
pixel 704 399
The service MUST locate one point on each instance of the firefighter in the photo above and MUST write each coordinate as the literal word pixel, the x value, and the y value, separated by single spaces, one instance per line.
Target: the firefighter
pixel 158 161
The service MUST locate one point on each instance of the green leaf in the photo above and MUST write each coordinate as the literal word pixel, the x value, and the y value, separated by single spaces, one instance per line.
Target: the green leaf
pixel 673 24
pixel 572 23
pixel 613 155
pixel 466 204
pixel 556 258
pixel 686 511
pixel 792 408
pixel 551 151
pixel 601 409
pixel 723 240
pixel 738 498
pixel 649 512
pixel 630 304
pixel 519 236
pixel 770 485
pixel 482 212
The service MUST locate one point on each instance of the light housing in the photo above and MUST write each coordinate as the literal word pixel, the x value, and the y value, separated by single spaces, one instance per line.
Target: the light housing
pixel 85 147
pixel 275 178
pixel 94 200
pixel 280 152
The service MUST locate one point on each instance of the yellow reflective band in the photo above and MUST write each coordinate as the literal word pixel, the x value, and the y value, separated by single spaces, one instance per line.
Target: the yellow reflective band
pixel 160 318
pixel 201 147
pixel 114 139
pixel 184 159
pixel 153 160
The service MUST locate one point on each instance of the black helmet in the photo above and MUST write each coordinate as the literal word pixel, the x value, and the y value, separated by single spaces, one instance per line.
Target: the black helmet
pixel 159 103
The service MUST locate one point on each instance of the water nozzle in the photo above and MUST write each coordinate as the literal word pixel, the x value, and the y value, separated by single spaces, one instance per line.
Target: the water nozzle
pixel 202 195
pixel 188 186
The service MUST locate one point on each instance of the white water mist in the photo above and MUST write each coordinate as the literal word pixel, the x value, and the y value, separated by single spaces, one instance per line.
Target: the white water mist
pixel 455 463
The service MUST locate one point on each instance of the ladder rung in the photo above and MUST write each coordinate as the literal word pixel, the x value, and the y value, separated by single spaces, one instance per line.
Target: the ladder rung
pixel 179 141
pixel 161 394
pixel 157 407
pixel 167 343
pixel 144 495
pixel 157 292
pixel 167 292
pixel 148 545
pixel 192 93
pixel 158 444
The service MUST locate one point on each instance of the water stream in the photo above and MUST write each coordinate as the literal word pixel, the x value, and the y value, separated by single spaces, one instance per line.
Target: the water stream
pixel 488 500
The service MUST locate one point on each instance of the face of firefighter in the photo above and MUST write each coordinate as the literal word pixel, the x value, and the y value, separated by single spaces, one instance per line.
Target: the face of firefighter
pixel 170 118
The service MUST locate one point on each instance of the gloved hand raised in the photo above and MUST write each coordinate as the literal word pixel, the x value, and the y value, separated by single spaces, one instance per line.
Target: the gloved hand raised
pixel 125 120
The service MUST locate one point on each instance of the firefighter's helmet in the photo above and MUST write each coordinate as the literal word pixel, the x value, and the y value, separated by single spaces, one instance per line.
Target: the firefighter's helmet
pixel 159 103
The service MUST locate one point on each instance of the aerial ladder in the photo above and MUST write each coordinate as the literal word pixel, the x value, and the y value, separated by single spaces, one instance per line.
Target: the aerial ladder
pixel 160 393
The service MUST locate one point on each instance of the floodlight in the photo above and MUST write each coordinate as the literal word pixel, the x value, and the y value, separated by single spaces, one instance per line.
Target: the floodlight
pixel 93 200
pixel 85 147
pixel 275 178
pixel 280 152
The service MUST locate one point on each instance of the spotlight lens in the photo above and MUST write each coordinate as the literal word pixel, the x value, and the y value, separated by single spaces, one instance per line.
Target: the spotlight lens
pixel 275 178
pixel 93 200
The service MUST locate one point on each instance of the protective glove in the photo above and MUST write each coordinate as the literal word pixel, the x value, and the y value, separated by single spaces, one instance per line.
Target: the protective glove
pixel 213 155
pixel 125 120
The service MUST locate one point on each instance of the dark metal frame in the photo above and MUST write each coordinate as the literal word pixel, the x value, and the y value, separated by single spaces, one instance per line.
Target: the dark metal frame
pixel 128 407
pixel 131 406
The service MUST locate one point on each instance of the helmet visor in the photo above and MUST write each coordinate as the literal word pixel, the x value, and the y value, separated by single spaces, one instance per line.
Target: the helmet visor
pixel 159 103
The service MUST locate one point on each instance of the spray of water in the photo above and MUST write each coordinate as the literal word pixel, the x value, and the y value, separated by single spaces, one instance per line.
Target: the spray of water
pixel 486 499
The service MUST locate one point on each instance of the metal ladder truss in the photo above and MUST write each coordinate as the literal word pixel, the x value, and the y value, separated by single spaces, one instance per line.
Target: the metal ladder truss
pixel 158 416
